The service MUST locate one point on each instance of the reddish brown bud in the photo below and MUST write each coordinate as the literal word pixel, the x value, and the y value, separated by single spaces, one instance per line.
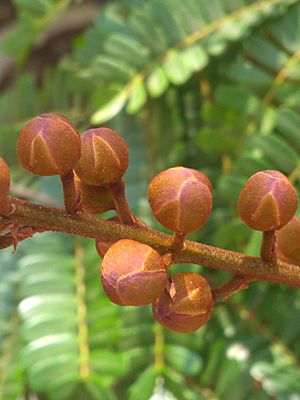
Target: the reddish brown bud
pixel 49 145
pixel 288 241
pixel 186 304
pixel 104 157
pixel 267 201
pixel 4 178
pixel 181 199
pixel 95 199
pixel 132 273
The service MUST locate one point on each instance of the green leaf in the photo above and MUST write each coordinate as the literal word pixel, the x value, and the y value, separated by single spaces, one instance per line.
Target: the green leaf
pixel 128 49
pixel 282 156
pixel 104 362
pixel 109 110
pixel 176 68
pixel 267 53
pixel 195 57
pixel 108 67
pixel 138 97
pixel 143 387
pixel 288 122
pixel 157 82
pixel 183 360
pixel 246 73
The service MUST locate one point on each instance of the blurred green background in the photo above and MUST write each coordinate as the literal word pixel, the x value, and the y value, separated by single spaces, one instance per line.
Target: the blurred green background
pixel 209 84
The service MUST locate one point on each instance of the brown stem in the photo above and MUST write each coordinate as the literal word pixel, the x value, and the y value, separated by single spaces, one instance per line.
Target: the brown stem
pixel 267 250
pixel 70 194
pixel 178 241
pixel 13 238
pixel 5 206
pixel 252 268
pixel 6 241
pixel 120 201
pixel 230 287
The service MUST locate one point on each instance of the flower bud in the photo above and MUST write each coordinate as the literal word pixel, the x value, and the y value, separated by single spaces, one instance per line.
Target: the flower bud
pixel 288 241
pixel 181 199
pixel 95 199
pixel 267 201
pixel 186 304
pixel 49 145
pixel 104 157
pixel 132 273
pixel 4 178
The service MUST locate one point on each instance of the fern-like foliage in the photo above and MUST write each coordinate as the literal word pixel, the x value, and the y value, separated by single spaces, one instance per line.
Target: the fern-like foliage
pixel 35 17
pixel 67 325
pixel 159 44
pixel 263 92
pixel 11 372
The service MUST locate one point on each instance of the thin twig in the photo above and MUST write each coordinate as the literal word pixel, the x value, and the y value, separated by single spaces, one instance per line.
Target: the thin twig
pixel 235 284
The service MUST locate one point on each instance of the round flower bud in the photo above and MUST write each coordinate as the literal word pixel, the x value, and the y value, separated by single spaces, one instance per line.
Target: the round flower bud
pixel 132 273
pixel 267 201
pixel 288 241
pixel 181 199
pixel 95 199
pixel 104 157
pixel 4 178
pixel 186 304
pixel 49 145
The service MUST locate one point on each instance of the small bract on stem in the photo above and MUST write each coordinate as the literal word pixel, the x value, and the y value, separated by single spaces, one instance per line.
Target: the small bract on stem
pixel 137 261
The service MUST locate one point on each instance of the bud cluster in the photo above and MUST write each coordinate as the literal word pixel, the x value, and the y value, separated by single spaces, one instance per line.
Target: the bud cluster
pixel 91 167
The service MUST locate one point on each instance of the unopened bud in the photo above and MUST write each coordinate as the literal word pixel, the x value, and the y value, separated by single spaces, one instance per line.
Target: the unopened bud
pixel 49 145
pixel 132 273
pixel 104 157
pixel 268 201
pixel 181 199
pixel 186 304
